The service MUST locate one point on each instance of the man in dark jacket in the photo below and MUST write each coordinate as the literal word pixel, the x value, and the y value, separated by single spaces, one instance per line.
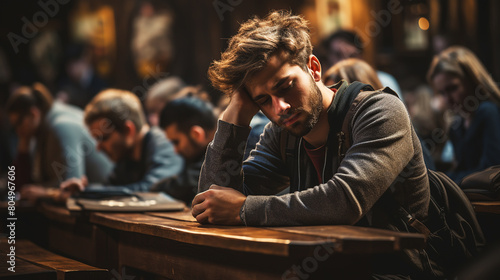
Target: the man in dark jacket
pixel 269 66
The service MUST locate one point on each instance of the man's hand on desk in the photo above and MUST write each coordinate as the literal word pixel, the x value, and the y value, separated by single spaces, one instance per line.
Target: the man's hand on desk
pixel 73 185
pixel 218 205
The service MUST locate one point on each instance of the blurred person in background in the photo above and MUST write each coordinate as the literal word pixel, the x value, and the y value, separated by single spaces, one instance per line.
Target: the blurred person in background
pixel 166 90
pixel 344 44
pixel 82 82
pixel 431 123
pixel 190 124
pixel 158 94
pixel 53 144
pixel 350 70
pixel 142 154
pixel 469 91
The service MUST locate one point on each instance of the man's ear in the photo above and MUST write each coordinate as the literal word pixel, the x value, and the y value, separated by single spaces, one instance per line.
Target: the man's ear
pixel 314 67
pixel 130 128
pixel 197 133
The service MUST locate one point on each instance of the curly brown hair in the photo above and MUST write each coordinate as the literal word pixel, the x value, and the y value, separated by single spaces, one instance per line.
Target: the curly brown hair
pixel 256 41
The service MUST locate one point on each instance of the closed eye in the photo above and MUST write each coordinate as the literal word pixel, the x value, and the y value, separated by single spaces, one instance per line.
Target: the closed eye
pixel 288 86
pixel 263 100
pixel 285 86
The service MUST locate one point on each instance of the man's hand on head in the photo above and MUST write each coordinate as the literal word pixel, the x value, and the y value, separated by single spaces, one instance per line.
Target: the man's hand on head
pixel 218 205
pixel 241 108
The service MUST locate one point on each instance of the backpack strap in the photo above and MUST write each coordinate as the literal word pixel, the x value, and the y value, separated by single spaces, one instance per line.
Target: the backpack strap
pixel 344 135
pixel 346 99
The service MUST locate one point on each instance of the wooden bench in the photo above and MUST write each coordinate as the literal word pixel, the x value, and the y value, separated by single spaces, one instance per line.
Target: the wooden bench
pixel 34 262
pixel 24 270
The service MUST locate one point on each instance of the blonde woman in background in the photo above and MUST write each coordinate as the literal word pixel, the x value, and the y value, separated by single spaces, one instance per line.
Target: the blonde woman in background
pixel 467 88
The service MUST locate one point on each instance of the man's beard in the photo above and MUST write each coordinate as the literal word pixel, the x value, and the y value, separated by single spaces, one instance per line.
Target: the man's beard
pixel 198 151
pixel 120 152
pixel 301 128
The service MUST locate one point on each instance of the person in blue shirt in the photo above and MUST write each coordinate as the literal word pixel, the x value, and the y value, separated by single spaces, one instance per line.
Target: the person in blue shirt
pixel 53 144
pixel 142 155
pixel 470 92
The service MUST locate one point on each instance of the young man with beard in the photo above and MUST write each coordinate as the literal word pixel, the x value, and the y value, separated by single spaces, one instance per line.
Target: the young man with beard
pixel 190 124
pixel 269 65
pixel 142 155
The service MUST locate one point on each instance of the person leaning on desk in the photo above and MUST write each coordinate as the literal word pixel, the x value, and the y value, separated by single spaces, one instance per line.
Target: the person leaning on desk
pixel 142 155
pixel 269 66
pixel 52 144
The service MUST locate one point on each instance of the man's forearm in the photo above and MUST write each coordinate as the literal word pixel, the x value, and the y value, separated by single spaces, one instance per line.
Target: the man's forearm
pixel 224 157
pixel 234 115
pixel 241 109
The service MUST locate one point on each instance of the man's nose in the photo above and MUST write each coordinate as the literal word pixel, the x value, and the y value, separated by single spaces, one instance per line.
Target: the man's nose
pixel 280 106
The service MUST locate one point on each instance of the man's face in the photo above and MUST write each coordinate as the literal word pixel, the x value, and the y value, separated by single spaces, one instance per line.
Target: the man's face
pixel 109 140
pixel 340 50
pixel 185 146
pixel 287 95
pixel 25 126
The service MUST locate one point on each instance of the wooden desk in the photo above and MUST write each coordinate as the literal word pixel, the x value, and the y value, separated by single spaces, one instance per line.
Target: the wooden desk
pixel 73 235
pixel 174 246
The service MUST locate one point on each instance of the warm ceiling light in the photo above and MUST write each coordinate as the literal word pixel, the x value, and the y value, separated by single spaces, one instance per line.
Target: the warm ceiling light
pixel 423 23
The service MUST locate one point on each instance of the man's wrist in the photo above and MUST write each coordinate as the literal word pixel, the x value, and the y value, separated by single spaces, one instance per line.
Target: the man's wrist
pixel 236 116
pixel 242 214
